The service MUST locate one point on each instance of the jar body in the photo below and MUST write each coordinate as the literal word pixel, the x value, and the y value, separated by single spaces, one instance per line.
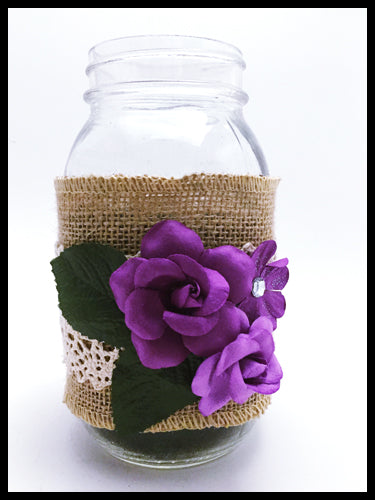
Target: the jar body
pixel 165 129
pixel 165 139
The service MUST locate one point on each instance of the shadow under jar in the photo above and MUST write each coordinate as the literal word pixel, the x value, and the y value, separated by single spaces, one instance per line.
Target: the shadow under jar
pixel 165 124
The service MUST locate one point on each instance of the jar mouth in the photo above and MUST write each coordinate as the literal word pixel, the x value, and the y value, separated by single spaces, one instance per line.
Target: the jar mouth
pixel 172 59
pixel 179 45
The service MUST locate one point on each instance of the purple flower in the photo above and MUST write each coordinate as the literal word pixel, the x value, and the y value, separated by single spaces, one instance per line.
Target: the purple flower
pixel 244 366
pixel 265 298
pixel 179 298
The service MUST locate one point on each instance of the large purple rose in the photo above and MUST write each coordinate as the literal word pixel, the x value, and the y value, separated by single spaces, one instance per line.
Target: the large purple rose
pixel 179 298
pixel 245 366
pixel 269 279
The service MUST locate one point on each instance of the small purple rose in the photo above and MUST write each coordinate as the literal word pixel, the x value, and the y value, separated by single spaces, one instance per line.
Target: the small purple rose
pixel 245 366
pixel 269 278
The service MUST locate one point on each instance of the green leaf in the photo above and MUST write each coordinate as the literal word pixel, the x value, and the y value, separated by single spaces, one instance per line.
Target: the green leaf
pixel 182 374
pixel 86 301
pixel 142 397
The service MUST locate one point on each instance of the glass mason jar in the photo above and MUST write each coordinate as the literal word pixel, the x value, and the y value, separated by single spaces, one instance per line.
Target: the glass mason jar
pixel 165 107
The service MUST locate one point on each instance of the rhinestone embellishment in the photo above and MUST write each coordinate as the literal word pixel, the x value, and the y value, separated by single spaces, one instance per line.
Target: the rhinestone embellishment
pixel 259 287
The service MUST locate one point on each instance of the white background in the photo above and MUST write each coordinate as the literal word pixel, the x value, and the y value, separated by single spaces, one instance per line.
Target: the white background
pixel 306 78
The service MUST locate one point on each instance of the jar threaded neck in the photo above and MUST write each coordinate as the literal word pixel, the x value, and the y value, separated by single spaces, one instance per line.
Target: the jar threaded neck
pixel 165 64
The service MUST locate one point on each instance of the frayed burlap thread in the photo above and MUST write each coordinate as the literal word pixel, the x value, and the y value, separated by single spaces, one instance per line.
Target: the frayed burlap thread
pixel 94 407
pixel 228 416
pixel 118 211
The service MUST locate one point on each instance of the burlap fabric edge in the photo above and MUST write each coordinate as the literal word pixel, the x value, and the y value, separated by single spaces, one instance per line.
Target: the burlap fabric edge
pixel 118 210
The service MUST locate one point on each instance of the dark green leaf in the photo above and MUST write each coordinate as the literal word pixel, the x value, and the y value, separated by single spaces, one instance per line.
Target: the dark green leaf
pixel 142 397
pixel 182 374
pixel 86 301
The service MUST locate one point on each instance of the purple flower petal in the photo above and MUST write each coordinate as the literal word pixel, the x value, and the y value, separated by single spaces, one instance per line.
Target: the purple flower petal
pixel 251 368
pixel 122 281
pixel 201 381
pixel 214 288
pixel 274 303
pixel 264 388
pixel 217 295
pixel 158 273
pixel 168 237
pixel 250 307
pixel 256 307
pixel 190 325
pixel 279 263
pixel 269 381
pixel 184 297
pixel 144 314
pixel 241 347
pixel 192 270
pixel 218 396
pixel 213 402
pixel 236 267
pixel 232 321
pixel 239 390
pixel 276 277
pixel 164 352
pixel 214 389
pixel 262 254
pixel 261 324
pixel 261 331
pixel 274 372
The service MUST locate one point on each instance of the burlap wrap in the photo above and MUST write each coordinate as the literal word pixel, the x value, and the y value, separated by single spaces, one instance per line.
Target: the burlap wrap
pixel 117 210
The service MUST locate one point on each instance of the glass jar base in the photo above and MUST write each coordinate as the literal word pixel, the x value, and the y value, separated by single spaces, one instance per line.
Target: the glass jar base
pixel 171 450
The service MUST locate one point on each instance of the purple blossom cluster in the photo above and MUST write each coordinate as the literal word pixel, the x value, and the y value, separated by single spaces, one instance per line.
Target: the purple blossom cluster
pixel 220 304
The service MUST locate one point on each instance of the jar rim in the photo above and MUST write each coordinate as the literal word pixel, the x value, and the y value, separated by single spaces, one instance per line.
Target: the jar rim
pixel 180 63
pixel 138 45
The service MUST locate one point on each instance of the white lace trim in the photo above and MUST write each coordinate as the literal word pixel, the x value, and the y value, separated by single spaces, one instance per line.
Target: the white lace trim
pixel 88 359
pixel 248 248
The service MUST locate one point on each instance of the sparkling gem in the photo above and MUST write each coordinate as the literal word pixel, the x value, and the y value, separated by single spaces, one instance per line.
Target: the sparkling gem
pixel 259 287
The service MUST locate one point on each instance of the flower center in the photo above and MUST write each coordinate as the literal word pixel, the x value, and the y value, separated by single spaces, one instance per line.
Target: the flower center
pixel 187 296
pixel 194 290
pixel 259 287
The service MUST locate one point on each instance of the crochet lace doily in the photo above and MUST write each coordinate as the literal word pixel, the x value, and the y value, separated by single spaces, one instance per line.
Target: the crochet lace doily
pixel 88 359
